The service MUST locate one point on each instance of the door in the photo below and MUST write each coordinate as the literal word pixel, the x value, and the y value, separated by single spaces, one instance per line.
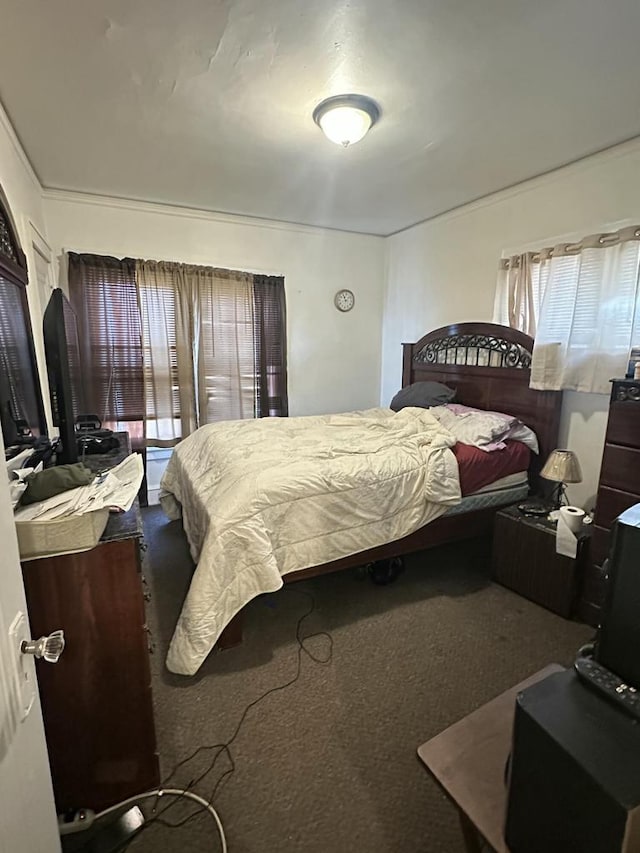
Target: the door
pixel 28 821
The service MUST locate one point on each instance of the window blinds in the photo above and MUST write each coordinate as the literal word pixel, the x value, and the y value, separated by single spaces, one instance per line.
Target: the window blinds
pixel 104 296
pixel 225 361
pixel 590 316
pixel 159 312
pixel 179 345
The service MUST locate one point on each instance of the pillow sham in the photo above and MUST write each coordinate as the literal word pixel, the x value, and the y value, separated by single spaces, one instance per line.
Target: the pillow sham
pixel 521 432
pixel 423 395
pixel 486 430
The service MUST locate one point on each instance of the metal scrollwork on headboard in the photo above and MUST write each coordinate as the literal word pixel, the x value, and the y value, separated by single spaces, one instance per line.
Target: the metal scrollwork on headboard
pixel 474 350
pixel 627 392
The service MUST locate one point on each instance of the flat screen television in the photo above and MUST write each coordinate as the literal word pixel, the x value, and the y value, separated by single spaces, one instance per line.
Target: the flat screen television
pixel 62 351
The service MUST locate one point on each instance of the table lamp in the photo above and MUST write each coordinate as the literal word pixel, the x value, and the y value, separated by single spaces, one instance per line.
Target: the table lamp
pixel 561 467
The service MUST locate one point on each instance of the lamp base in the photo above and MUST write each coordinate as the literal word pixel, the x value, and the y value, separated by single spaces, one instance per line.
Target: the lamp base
pixel 536 508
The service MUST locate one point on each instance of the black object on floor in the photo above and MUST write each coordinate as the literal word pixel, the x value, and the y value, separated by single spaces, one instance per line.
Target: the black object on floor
pixel 106 836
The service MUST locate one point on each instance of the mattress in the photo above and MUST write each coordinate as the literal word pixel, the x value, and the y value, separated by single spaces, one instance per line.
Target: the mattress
pixel 488 499
pixel 520 478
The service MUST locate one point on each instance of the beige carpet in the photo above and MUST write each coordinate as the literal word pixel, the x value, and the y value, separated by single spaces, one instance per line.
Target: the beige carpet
pixel 329 764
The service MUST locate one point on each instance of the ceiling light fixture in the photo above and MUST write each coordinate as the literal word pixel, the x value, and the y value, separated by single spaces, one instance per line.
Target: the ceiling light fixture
pixel 345 119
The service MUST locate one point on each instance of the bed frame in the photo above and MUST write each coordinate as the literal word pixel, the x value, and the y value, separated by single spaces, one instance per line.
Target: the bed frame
pixel 489 366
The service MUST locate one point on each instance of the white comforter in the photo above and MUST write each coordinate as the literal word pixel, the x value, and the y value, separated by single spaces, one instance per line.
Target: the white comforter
pixel 261 498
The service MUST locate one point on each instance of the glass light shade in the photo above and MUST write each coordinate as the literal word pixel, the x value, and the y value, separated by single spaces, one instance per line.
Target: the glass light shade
pixel 345 125
pixel 345 119
pixel 562 466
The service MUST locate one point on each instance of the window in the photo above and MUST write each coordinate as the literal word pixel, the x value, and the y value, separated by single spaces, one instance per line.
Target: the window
pixel 160 360
pixel 586 310
pixel 176 346
pixel 103 293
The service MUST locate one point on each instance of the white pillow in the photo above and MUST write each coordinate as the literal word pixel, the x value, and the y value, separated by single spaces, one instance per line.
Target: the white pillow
pixel 521 432
pixel 485 430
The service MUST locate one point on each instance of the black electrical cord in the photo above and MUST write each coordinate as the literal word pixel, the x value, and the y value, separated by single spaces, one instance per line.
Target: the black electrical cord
pixel 224 748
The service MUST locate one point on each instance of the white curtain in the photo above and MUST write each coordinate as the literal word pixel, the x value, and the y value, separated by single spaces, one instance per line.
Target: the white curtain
pixel 220 303
pixel 198 347
pixel 522 281
pixel 167 354
pixel 590 315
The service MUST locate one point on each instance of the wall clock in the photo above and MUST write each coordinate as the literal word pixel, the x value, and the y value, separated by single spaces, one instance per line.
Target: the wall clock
pixel 344 300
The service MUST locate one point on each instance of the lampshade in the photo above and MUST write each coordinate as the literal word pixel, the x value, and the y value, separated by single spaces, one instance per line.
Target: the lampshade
pixel 345 119
pixel 563 467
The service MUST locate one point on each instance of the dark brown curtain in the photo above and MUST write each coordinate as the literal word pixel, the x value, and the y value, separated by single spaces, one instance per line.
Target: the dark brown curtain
pixel 270 336
pixel 104 296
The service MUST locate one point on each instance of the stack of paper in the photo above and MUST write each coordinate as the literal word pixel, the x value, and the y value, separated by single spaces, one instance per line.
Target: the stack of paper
pixel 116 489
pixel 75 520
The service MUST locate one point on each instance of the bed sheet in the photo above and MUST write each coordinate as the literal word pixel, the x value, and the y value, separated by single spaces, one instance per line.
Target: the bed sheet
pixel 478 469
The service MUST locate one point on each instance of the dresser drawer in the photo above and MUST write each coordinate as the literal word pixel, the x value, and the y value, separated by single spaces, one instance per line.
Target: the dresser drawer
pixel 624 423
pixel 611 502
pixel 600 544
pixel 621 468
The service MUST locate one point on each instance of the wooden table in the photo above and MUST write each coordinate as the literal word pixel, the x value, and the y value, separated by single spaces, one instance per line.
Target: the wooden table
pixel 468 761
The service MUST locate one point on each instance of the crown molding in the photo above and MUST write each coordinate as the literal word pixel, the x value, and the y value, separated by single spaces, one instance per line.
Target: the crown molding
pixel 614 152
pixel 623 149
pixel 5 123
pixel 161 209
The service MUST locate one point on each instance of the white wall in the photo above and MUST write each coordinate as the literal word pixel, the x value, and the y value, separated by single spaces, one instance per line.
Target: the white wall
pixel 438 272
pixel 445 270
pixel 333 358
pixel 28 818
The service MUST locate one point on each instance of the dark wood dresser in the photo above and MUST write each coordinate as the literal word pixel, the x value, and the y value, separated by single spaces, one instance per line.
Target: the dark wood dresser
pixel 96 701
pixel 618 488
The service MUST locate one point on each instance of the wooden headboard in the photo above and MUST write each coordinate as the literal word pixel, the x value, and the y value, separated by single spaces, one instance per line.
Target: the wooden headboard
pixel 489 366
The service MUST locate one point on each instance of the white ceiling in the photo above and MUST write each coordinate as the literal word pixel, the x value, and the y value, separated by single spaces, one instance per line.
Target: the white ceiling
pixel 207 103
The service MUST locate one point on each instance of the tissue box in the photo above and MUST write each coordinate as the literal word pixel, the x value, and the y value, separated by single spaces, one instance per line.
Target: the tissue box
pixel 66 535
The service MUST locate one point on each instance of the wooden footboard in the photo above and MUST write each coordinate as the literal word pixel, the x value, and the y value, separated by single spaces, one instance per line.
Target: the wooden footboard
pixel 232 634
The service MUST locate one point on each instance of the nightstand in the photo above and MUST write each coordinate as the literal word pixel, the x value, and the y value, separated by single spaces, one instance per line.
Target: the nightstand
pixel 525 560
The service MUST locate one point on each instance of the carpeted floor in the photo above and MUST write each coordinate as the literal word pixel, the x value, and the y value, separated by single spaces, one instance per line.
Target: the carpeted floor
pixel 328 765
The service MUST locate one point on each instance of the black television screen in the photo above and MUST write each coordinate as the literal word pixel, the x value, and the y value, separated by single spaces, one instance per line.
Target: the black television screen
pixel 62 351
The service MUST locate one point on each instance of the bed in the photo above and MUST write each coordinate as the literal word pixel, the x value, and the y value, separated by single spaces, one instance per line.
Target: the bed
pixel 487 364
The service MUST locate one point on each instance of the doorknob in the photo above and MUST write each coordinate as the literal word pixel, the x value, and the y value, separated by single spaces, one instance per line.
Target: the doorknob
pixel 50 648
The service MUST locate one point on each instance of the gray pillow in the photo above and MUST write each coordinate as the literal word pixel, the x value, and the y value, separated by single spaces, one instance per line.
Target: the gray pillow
pixel 424 395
